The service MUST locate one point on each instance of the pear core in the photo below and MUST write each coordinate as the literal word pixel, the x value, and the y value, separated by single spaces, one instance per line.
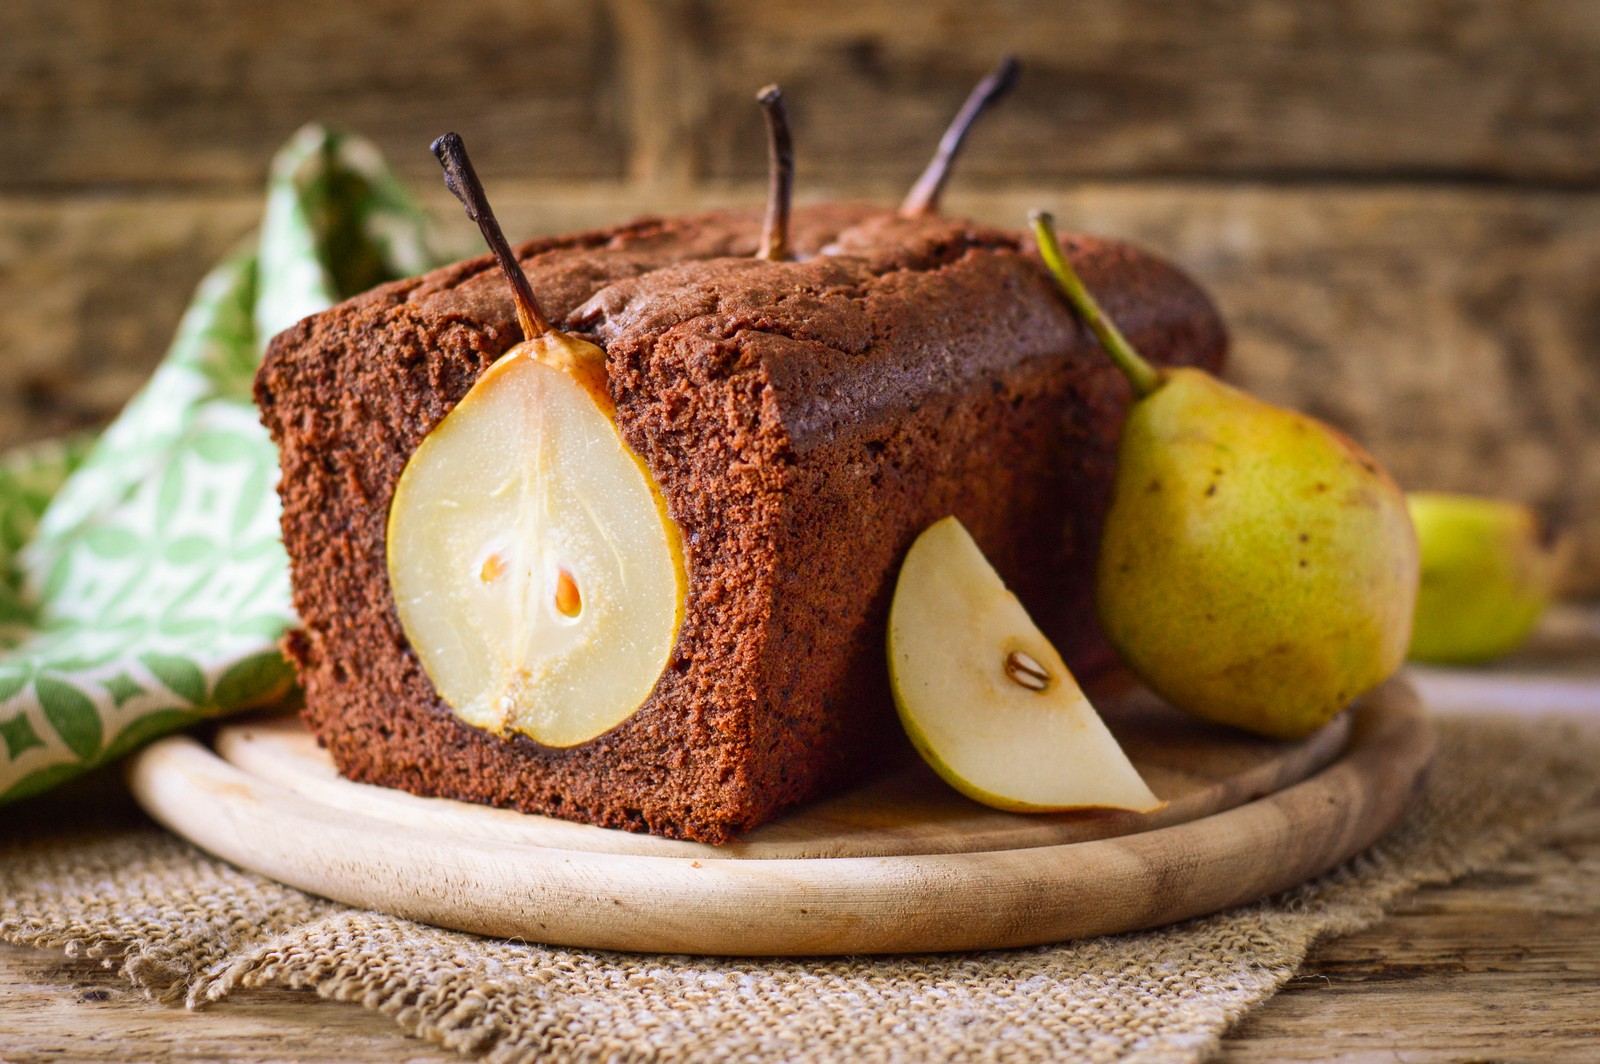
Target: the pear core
pixel 985 698
pixel 533 564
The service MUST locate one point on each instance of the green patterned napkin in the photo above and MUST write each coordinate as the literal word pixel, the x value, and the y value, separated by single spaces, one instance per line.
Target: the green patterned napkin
pixel 143 585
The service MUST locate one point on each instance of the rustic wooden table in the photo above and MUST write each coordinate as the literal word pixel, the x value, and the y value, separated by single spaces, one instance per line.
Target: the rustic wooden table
pixel 1502 965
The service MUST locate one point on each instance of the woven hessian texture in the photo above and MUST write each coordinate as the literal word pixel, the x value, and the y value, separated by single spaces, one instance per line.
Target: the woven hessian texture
pixel 188 928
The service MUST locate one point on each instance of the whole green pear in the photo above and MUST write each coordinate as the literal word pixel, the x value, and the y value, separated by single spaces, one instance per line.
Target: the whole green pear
pixel 1489 567
pixel 1257 568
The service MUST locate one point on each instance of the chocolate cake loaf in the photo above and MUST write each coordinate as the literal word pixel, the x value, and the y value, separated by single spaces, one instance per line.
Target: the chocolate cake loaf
pixel 804 421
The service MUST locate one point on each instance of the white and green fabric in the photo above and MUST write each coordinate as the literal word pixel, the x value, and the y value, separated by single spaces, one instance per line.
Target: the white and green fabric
pixel 143 585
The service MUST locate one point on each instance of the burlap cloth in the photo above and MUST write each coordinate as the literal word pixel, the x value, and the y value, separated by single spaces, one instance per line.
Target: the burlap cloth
pixel 190 929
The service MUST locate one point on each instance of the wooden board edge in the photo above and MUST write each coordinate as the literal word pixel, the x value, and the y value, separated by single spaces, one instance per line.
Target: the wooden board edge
pixel 727 906
pixel 253 747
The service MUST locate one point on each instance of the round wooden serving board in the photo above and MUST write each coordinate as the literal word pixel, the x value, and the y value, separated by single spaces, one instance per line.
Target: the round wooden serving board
pixel 902 864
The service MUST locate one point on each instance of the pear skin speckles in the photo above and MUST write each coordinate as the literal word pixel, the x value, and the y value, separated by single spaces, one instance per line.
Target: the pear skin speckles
pixel 1273 577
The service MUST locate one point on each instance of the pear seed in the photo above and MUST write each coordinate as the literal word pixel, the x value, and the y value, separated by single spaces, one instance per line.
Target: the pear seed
pixel 1026 672
pixel 568 600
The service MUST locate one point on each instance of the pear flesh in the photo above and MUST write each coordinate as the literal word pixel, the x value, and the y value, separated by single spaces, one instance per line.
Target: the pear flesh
pixel 1257 567
pixel 1488 572
pixel 533 564
pixel 985 698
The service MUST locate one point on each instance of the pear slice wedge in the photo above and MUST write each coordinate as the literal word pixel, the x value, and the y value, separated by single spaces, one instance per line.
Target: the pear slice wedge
pixel 985 698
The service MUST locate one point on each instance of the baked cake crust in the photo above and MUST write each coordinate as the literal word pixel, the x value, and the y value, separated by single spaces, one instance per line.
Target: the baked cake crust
pixel 805 421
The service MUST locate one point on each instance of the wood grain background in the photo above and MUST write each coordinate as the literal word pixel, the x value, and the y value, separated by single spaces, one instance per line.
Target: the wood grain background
pixel 1397 205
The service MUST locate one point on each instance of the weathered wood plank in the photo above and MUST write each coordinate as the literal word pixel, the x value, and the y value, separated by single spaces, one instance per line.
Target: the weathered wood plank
pixel 1452 330
pixel 93 291
pixel 1254 88
pixel 1502 966
pixel 201 92
pixel 56 1008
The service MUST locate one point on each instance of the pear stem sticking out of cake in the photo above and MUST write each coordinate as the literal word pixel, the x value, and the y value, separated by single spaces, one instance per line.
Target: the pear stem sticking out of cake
pixel 780 176
pixel 461 179
pixel 1257 567
pixel 923 199
pixel 535 570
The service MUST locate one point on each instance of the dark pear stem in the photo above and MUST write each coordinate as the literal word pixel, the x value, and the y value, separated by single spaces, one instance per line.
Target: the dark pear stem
pixel 461 179
pixel 924 196
pixel 780 176
pixel 1144 377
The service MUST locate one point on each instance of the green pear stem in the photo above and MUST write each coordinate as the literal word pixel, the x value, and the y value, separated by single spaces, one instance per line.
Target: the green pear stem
pixel 780 176
pixel 461 179
pixel 923 199
pixel 1144 377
